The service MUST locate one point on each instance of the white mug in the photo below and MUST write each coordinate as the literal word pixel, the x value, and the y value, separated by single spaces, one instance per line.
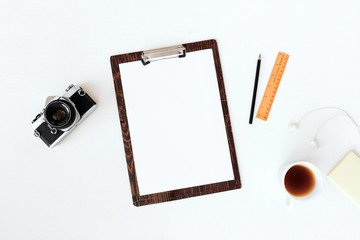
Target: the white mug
pixel 318 182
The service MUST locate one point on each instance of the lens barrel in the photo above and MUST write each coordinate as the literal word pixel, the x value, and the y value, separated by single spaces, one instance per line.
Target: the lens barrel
pixel 59 114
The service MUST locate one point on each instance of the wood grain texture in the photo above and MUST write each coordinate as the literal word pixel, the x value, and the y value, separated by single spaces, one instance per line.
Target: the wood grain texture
pixel 140 200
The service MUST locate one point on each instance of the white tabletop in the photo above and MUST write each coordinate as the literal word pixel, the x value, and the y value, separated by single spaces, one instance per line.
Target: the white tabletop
pixel 80 188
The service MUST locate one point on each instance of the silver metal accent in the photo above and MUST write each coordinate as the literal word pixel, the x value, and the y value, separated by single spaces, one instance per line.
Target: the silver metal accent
pixel 36 133
pixel 81 92
pixel 69 87
pixel 53 130
pixel 71 90
pixel 36 118
pixel 49 99
pixel 163 53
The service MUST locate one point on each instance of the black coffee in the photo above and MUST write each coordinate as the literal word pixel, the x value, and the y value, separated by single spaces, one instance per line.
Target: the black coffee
pixel 299 181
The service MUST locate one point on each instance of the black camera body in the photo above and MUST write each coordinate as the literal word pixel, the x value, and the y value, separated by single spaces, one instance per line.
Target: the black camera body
pixel 62 114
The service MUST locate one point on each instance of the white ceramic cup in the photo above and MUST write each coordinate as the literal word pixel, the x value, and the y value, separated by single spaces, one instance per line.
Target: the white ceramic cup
pixel 318 181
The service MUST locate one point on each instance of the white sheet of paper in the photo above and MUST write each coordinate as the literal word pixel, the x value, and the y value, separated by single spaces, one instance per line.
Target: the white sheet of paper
pixel 176 123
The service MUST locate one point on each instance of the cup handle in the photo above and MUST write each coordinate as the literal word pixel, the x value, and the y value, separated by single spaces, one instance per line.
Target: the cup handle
pixel 289 202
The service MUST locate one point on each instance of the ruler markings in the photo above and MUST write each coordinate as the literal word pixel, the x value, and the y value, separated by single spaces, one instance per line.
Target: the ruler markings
pixel 272 86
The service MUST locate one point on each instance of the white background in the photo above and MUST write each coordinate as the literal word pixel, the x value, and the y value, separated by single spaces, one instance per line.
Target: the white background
pixel 80 189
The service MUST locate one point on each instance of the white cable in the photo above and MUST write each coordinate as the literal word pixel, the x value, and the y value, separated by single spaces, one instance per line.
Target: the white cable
pixel 295 126
pixel 328 120
pixel 324 108
pixel 313 142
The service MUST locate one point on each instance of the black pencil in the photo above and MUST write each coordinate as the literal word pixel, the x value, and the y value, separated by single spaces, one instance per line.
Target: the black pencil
pixel 255 89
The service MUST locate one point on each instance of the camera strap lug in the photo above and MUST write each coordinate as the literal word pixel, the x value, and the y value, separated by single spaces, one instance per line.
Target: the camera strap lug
pixel 81 92
pixel 53 130
pixel 36 133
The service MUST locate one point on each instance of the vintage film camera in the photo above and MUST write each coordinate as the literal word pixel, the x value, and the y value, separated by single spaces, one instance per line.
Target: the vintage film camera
pixel 62 114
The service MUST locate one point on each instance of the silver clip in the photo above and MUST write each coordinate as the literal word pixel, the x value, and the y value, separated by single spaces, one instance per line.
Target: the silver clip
pixel 162 53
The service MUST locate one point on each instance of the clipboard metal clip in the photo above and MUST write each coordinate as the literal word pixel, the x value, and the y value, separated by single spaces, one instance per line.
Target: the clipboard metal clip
pixel 163 53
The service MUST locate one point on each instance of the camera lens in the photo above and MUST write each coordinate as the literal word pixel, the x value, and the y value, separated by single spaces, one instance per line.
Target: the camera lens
pixel 59 114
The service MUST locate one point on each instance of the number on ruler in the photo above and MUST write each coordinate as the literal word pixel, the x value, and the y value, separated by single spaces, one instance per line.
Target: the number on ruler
pixel 272 87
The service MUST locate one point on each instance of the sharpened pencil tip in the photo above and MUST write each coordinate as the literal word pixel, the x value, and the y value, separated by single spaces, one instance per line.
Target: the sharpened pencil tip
pixel 259 57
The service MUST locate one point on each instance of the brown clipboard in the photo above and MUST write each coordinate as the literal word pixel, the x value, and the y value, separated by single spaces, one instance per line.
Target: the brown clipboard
pixel 140 200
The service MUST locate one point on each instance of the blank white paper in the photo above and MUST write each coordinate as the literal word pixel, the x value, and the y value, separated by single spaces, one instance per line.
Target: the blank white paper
pixel 176 122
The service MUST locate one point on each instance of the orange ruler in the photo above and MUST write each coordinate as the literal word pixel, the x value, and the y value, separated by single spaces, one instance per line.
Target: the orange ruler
pixel 272 86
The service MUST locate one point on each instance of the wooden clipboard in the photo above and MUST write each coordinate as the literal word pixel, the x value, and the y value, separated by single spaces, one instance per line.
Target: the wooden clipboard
pixel 146 57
